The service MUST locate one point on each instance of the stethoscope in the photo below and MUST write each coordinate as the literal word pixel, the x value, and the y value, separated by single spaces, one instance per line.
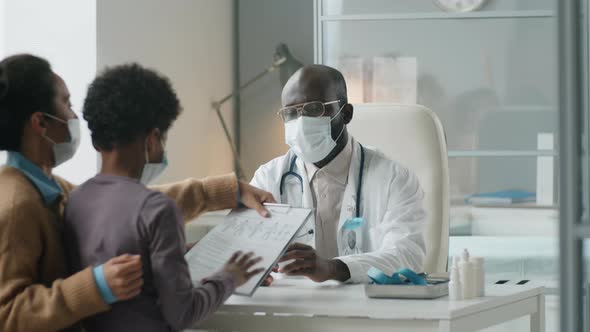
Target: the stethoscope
pixel 292 172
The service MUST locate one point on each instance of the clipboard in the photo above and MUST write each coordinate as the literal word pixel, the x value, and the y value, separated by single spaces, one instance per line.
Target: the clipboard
pixel 245 230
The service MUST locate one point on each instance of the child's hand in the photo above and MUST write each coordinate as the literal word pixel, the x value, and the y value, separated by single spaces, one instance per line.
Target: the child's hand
pixel 239 265
pixel 124 276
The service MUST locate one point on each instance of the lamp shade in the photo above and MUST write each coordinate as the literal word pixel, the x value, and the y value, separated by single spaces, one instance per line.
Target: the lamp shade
pixel 289 66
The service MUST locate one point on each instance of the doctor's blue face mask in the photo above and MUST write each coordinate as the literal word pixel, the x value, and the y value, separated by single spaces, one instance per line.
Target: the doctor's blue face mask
pixel 310 138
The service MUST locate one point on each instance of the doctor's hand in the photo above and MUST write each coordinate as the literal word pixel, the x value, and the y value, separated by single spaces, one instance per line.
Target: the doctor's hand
pixel 240 267
pixel 307 263
pixel 253 198
pixel 269 278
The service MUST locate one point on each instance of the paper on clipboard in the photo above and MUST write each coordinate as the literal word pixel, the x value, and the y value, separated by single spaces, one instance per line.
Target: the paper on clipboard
pixel 246 230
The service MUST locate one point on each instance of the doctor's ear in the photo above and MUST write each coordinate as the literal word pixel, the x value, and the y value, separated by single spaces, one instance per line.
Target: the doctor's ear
pixel 347 113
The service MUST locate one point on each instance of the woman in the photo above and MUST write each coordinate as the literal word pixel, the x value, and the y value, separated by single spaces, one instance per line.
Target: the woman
pixel 34 295
pixel 40 131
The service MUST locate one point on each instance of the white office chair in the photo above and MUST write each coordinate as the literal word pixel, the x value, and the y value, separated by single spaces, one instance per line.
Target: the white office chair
pixel 413 136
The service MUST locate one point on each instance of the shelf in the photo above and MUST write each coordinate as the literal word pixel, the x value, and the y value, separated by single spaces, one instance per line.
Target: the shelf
pixel 501 153
pixel 441 16
pixel 521 108
pixel 515 206
pixel 529 205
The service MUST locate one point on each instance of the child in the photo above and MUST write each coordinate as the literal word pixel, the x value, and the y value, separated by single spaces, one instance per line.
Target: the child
pixel 129 110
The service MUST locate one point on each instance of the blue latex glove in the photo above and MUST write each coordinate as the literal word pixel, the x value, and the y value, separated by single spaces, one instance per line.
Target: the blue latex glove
pixel 402 277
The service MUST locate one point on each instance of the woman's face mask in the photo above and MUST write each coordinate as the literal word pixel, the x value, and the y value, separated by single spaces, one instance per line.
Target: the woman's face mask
pixel 64 151
pixel 311 137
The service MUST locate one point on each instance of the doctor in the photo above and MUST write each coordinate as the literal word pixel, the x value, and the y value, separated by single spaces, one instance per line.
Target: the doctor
pixel 368 209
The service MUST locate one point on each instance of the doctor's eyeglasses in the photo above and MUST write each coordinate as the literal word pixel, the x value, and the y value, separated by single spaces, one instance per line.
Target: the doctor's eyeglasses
pixel 311 109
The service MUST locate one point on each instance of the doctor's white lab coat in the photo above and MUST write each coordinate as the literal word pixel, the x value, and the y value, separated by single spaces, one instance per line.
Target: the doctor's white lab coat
pixel 391 207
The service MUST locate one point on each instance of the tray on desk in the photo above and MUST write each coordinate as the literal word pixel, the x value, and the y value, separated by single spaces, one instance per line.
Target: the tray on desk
pixel 433 290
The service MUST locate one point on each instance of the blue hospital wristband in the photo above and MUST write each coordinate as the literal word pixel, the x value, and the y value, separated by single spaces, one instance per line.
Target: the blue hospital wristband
pixel 103 287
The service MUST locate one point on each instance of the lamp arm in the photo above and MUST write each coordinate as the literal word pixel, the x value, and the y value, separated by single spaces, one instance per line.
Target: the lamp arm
pixel 234 150
pixel 217 107
pixel 260 75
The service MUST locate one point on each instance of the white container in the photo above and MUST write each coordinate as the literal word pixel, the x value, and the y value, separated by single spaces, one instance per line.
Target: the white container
pixel 466 273
pixel 465 255
pixel 479 274
pixel 455 288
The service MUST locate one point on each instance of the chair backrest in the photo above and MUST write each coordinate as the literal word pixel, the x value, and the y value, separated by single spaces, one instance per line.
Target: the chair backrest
pixel 413 136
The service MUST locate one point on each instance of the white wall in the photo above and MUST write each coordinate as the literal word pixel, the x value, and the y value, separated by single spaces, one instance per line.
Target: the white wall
pixel 191 43
pixel 263 25
pixel 63 32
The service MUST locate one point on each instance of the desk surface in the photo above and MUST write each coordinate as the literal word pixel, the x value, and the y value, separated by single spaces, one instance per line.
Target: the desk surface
pixel 303 297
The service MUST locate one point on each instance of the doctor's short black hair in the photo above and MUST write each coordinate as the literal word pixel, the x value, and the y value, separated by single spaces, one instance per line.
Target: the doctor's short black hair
pixel 128 101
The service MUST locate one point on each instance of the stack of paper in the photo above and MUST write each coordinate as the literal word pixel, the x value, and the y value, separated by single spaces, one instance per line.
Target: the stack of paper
pixel 354 74
pixel 395 80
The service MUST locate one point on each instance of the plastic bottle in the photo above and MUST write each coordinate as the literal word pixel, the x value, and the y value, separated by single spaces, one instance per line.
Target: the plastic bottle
pixel 455 288
pixel 479 273
pixel 467 276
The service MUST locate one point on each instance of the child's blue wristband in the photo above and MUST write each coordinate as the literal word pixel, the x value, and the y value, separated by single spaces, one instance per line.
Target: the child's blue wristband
pixel 103 287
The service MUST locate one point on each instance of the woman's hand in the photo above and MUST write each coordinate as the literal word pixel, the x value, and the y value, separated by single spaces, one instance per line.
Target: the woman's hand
pixel 254 198
pixel 124 275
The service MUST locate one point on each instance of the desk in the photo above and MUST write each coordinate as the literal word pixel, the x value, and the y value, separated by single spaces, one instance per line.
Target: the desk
pixel 300 305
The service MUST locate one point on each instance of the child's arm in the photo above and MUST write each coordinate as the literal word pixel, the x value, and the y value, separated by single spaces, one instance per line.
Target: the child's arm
pixel 182 304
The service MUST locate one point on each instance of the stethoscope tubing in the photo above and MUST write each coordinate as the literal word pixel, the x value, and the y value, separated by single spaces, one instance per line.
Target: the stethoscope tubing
pixel 292 172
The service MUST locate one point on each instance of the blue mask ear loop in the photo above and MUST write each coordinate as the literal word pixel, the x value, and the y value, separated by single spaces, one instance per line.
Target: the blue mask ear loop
pixel 360 184
pixel 290 172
